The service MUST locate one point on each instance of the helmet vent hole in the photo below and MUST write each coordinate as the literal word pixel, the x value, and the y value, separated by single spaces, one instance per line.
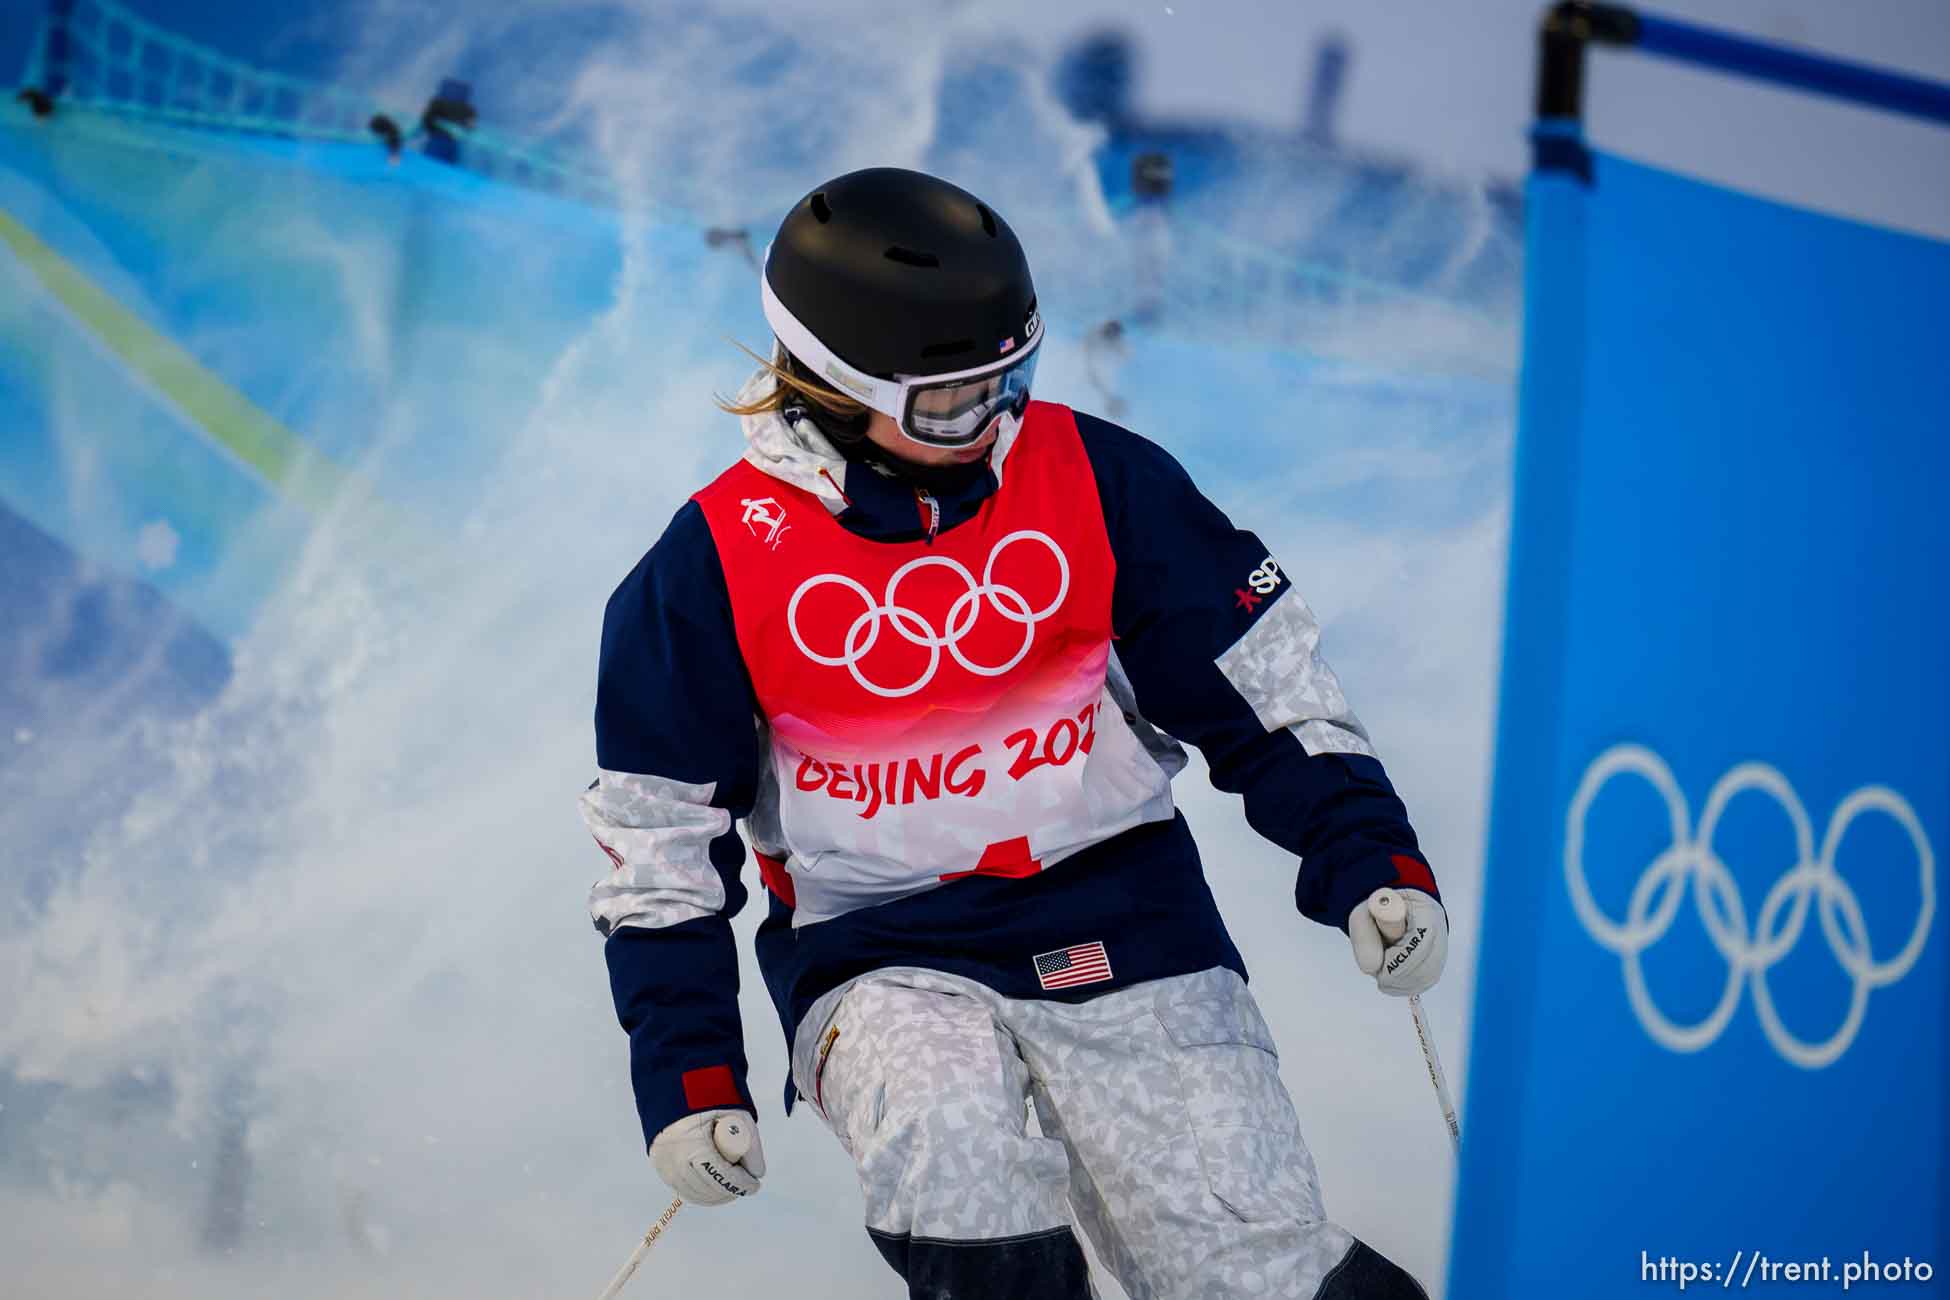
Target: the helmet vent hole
pixel 988 218
pixel 821 210
pixel 950 349
pixel 908 257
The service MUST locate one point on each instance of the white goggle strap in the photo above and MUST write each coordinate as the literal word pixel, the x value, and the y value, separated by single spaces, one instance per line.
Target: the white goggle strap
pixel 880 394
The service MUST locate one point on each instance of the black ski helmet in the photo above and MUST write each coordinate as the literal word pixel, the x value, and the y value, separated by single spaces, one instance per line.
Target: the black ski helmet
pixel 900 273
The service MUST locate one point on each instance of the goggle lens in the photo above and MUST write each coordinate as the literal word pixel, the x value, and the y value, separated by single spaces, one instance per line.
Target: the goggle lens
pixel 957 414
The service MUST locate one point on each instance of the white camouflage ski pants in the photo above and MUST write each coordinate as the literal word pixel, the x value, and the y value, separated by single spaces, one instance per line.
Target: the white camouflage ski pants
pixel 1166 1135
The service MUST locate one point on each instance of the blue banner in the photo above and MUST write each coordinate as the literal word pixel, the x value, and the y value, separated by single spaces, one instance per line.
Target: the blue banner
pixel 1710 1036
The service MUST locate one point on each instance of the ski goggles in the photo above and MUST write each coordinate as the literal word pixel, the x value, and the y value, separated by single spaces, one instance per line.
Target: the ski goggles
pixel 948 411
pixel 956 410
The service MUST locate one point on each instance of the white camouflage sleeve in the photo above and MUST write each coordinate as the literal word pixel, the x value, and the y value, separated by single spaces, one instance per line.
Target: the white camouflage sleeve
pixel 657 834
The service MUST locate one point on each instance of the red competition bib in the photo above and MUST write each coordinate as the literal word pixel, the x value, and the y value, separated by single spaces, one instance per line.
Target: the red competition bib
pixel 935 710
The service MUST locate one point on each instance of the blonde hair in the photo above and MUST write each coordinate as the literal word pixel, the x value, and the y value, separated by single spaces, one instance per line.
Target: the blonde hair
pixel 793 378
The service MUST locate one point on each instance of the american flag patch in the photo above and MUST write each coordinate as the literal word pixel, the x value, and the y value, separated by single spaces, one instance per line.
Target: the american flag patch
pixel 1083 964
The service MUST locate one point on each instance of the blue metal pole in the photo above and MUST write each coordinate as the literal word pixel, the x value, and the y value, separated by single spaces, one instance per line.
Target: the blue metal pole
pixel 1858 82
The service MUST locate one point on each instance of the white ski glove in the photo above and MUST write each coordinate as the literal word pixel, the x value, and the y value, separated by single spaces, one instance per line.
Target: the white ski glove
pixel 710 1157
pixel 1412 963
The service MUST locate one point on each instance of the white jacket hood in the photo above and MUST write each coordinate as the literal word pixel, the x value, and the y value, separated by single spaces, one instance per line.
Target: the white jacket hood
pixel 796 453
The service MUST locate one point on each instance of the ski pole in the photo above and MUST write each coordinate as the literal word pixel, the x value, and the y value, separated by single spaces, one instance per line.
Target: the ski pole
pixel 734 1142
pixel 1390 915
pixel 628 1270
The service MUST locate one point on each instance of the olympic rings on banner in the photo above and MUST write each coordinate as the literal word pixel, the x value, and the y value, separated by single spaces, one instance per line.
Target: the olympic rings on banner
pixel 1750 952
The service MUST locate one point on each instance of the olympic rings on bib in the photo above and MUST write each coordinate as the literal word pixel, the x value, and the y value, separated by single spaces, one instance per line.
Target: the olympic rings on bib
pixel 913 627
pixel 1657 896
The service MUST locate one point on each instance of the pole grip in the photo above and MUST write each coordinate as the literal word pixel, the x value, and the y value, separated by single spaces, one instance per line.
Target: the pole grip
pixel 732 1136
pixel 1390 913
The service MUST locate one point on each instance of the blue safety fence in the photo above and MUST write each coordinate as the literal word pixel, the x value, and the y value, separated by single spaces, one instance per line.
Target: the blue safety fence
pixel 1710 1031
pixel 105 56
pixel 185 318
pixel 1280 233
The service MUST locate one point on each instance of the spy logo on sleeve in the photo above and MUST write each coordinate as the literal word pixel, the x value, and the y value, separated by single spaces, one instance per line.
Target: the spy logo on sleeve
pixel 1260 584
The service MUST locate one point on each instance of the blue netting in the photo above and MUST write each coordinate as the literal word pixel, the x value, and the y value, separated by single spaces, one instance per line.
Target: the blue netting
pixel 1235 259
pixel 101 55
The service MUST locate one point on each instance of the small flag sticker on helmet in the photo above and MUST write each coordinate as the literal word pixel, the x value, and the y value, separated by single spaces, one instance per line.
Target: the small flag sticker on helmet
pixel 1086 963
pixel 1007 343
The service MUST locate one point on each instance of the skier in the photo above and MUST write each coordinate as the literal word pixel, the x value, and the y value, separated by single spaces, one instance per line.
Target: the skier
pixel 932 641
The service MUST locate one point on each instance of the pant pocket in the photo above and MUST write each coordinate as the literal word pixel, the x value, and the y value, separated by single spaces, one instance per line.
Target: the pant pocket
pixel 1248 1136
pixel 828 1078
